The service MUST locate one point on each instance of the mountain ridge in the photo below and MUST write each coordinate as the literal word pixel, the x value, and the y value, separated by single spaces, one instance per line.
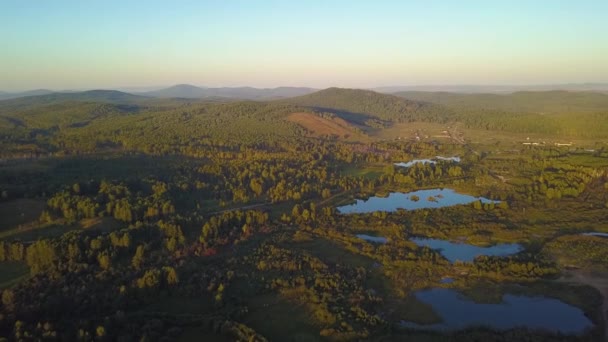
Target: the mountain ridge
pixel 245 93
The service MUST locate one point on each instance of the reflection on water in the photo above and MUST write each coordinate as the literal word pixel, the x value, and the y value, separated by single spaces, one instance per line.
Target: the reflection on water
pixel 432 198
pixel 596 234
pixel 465 252
pixel 428 161
pixel 370 238
pixel 458 312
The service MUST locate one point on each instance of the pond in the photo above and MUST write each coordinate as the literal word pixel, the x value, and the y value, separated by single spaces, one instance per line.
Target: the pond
pixel 596 234
pixel 427 161
pixel 459 312
pixel 465 252
pixel 431 198
pixel 370 238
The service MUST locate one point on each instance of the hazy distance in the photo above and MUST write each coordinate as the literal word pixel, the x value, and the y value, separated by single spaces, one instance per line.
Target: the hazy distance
pixel 70 45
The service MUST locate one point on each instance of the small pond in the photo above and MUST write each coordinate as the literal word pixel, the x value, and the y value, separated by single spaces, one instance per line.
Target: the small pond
pixel 427 161
pixel 458 312
pixel 596 234
pixel 430 198
pixel 465 252
pixel 370 238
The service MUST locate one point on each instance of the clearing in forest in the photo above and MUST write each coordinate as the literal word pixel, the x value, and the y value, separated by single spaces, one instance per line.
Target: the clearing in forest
pixel 319 126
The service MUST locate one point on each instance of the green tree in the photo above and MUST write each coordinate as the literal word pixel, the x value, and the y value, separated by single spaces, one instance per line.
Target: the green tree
pixel 138 258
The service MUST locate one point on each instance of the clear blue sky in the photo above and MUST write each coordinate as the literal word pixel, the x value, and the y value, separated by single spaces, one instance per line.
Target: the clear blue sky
pixel 77 44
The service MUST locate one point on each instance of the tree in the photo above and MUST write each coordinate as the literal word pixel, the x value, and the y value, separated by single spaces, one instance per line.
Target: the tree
pixel 171 275
pixel 295 212
pixel 477 205
pixel 138 258
pixel 100 331
pixel 326 193
pixel 104 261
pixel 8 299
pixel 150 279
pixel 40 256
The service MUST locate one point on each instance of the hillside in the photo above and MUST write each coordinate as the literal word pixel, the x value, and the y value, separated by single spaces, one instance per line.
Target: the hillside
pixel 359 105
pixel 179 90
pixel 64 114
pixel 495 89
pixel 327 125
pixel 99 96
pixel 36 92
pixel 541 102
pixel 96 117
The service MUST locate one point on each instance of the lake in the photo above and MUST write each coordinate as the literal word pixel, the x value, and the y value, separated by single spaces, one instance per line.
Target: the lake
pixel 459 312
pixel 465 252
pixel 430 198
pixel 427 161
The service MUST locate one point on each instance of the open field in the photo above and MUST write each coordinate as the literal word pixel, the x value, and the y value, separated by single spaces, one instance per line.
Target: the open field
pixel 320 126
pixel 20 213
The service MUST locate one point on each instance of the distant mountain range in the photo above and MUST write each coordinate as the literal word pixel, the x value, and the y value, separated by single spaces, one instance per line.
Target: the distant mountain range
pixel 245 93
pixel 91 96
pixel 187 91
pixel 36 92
pixel 496 89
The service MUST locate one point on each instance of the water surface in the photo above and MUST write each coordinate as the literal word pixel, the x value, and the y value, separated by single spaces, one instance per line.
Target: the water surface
pixel 370 238
pixel 446 280
pixel 431 198
pixel 596 234
pixel 459 312
pixel 428 161
pixel 466 252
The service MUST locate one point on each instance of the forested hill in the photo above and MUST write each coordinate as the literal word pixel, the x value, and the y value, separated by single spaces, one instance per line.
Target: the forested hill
pixel 74 127
pixel 92 120
pixel 358 102
pixel 35 92
pixel 540 102
pixel 99 96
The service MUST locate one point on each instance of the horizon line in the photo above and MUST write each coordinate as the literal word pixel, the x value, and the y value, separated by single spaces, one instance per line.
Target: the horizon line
pixel 143 88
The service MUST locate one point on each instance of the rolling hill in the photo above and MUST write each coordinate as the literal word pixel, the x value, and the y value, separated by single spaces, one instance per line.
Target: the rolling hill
pixel 179 90
pixel 360 106
pixel 539 102
pixel 69 113
pixel 345 113
pixel 36 92
pixel 100 96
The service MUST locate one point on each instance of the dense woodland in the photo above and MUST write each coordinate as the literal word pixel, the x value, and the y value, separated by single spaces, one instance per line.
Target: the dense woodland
pixel 133 218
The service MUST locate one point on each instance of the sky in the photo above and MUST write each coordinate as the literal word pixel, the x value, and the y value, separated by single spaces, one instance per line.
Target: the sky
pixel 75 44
